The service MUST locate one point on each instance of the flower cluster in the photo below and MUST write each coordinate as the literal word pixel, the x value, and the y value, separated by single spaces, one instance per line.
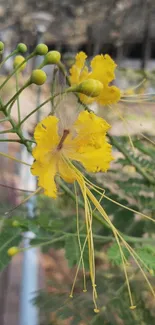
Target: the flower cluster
pixel 67 152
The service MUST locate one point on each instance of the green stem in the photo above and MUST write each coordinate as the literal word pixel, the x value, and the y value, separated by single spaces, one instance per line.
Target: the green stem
pixel 53 89
pixel 38 107
pixel 18 132
pixel 131 159
pixel 13 99
pixel 44 243
pixel 111 238
pixel 7 131
pixel 8 57
pixel 4 119
pixel 17 90
pixel 10 140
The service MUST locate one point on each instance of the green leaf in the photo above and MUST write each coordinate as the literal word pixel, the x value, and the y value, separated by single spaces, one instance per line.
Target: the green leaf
pixel 72 251
pixel 9 236
pixel 147 255
pixel 114 254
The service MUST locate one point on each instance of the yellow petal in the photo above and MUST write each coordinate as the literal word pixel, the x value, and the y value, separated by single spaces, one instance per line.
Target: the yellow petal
pixel 46 136
pixel 80 60
pixel 88 124
pixel 103 68
pixel 47 131
pixel 76 69
pixel 46 174
pixel 109 95
pixel 93 159
pixel 89 146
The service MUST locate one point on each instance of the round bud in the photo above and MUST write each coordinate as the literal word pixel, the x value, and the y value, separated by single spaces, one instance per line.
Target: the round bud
pixel 17 61
pixel 21 47
pixel 38 77
pixel 90 87
pixel 15 223
pixel 41 49
pixel 1 46
pixel 13 251
pixel 52 57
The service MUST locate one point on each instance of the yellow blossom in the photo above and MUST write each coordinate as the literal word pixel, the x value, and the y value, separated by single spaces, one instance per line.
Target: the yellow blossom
pixel 56 148
pixel 85 142
pixel 102 69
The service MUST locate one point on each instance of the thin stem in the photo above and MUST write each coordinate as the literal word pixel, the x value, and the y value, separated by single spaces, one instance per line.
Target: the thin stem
pixel 8 57
pixel 38 107
pixel 17 90
pixel 13 99
pixel 4 119
pixel 15 188
pixel 17 131
pixel 44 243
pixel 18 67
pixel 10 140
pixel 53 89
pixel 7 131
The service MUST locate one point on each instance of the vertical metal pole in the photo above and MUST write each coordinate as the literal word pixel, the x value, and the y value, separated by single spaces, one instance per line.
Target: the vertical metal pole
pixel 29 314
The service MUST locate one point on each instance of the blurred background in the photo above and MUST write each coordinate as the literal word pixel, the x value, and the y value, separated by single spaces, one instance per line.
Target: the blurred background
pixel 125 29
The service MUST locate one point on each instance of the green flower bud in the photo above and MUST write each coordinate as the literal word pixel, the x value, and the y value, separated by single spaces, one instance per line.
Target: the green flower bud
pixel 17 61
pixel 41 49
pixel 15 223
pixel 21 47
pixel 13 251
pixel 52 57
pixel 38 77
pixel 1 46
pixel 90 87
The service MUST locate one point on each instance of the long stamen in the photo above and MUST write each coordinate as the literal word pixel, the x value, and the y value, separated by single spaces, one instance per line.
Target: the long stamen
pixel 79 241
pixel 88 221
pixel 132 252
pixel 117 203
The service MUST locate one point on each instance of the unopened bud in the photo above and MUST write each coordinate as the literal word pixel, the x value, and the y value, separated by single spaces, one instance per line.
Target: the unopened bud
pixel 38 77
pixel 13 251
pixel 22 48
pixel 17 61
pixel 1 46
pixel 52 57
pixel 41 49
pixel 90 87
pixel 15 223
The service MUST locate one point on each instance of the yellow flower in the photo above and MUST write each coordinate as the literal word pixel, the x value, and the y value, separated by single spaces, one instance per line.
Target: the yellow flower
pixel 102 69
pixel 85 142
